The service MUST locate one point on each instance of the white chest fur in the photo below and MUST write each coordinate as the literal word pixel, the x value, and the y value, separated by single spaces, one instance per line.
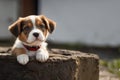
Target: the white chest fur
pixel 40 55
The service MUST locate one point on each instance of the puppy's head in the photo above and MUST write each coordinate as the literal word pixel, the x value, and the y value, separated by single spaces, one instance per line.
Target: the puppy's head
pixel 32 29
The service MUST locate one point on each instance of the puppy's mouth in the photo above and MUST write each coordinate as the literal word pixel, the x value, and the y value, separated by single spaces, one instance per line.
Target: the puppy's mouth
pixel 36 42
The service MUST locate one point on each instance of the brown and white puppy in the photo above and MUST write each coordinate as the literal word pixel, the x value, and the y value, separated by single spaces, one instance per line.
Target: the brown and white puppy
pixel 31 32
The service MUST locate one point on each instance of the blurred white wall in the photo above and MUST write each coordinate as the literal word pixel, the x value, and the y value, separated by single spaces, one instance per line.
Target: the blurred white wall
pixel 92 22
pixel 8 14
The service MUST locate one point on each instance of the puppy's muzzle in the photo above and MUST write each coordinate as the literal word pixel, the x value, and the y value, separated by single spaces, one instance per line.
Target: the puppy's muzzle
pixel 36 34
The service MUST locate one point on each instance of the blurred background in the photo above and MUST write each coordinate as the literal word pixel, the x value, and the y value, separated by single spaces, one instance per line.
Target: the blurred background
pixel 86 25
pixel 90 22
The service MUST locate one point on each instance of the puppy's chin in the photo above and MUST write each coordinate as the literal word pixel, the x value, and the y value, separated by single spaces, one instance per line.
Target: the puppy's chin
pixel 34 43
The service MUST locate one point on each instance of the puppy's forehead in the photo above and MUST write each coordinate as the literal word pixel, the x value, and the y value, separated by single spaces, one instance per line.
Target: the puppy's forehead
pixel 34 19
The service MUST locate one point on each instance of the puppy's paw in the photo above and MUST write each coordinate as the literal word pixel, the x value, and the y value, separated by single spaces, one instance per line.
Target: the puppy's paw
pixel 23 59
pixel 42 56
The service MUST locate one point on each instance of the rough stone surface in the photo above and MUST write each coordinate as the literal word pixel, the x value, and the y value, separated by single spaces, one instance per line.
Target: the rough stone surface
pixel 62 65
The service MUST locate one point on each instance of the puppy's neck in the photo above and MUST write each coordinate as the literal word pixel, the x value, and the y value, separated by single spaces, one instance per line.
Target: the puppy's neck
pixel 19 44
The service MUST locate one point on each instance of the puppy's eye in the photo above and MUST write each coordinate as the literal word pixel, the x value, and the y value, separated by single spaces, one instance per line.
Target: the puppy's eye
pixel 27 28
pixel 41 26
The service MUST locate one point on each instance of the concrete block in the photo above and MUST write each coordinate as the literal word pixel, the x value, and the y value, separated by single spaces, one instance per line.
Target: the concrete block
pixel 62 65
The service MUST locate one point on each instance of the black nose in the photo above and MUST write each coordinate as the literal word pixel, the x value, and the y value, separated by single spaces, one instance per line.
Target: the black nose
pixel 36 34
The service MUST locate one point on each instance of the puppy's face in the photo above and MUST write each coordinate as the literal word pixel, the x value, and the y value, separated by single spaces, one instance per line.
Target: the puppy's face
pixel 32 29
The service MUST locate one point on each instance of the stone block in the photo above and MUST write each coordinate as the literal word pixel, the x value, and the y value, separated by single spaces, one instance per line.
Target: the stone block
pixel 62 65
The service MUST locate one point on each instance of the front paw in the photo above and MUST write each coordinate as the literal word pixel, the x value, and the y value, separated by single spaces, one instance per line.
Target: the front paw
pixel 23 59
pixel 42 56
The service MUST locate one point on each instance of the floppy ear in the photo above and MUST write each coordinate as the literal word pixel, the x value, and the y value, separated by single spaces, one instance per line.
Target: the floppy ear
pixel 15 28
pixel 49 23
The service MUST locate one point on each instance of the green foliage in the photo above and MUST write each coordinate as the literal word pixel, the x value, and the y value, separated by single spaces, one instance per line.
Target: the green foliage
pixel 113 66
pixel 103 63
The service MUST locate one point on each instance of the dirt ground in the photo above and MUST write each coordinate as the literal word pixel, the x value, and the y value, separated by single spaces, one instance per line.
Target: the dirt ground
pixel 104 74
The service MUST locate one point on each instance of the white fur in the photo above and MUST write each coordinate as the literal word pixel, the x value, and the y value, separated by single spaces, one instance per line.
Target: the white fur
pixel 31 38
pixel 17 44
pixel 32 17
pixel 23 59
pixel 31 53
pixel 42 55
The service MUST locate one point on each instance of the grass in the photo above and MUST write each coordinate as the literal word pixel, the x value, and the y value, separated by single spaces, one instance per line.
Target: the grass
pixel 113 66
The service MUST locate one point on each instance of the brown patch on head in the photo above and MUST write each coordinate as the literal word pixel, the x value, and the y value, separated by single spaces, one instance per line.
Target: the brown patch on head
pixel 50 24
pixel 40 25
pixel 16 27
pixel 21 28
pixel 22 37
pixel 27 27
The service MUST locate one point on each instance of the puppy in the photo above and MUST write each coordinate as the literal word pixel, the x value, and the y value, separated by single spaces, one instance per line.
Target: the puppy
pixel 31 33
